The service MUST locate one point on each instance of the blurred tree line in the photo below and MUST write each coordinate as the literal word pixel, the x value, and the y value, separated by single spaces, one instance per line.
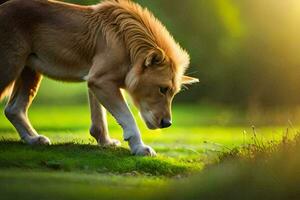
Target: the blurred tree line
pixel 244 52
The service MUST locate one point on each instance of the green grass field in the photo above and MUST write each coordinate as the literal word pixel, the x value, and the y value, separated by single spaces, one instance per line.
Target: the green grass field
pixel 74 167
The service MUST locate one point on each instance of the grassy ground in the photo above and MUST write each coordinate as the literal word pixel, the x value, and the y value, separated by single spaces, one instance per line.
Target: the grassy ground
pixel 75 167
pixel 259 170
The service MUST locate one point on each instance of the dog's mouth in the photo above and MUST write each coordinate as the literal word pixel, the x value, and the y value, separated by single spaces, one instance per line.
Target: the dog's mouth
pixel 151 126
pixel 150 120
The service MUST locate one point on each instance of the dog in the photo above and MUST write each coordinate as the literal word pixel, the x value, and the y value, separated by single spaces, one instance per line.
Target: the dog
pixel 113 45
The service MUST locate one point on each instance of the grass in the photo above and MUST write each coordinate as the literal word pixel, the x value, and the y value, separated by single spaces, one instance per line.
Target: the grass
pixel 28 184
pixel 75 167
pixel 88 158
pixel 255 171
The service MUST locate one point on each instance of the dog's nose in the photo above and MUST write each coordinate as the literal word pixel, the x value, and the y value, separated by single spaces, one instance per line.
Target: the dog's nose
pixel 165 123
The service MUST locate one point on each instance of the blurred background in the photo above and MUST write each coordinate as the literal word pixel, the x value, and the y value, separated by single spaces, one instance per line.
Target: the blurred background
pixel 245 53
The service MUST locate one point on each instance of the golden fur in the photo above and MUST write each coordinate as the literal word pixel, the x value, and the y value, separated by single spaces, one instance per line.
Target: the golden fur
pixel 141 32
pixel 115 44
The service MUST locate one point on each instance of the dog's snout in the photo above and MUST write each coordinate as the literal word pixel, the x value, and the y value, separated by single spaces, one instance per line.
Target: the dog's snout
pixel 165 123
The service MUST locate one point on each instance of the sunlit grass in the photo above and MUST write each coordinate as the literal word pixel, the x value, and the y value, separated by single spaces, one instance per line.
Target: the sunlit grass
pixel 191 134
pixel 75 161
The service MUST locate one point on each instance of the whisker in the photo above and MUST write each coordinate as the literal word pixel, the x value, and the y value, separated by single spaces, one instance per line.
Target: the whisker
pixel 191 73
pixel 185 87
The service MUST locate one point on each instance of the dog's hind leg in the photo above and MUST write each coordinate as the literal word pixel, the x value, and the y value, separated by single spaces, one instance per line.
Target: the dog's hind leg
pixel 7 77
pixel 24 91
pixel 99 129
pixel 13 54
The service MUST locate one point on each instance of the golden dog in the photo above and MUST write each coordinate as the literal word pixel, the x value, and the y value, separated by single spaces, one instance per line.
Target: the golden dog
pixel 113 45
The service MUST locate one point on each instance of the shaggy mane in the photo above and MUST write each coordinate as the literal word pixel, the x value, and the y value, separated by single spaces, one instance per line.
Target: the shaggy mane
pixel 140 31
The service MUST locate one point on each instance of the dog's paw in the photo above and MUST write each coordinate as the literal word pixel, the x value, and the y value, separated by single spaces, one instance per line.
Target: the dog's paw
pixel 39 140
pixel 143 150
pixel 110 143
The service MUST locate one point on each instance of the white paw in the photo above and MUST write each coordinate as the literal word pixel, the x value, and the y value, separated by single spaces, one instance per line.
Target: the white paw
pixel 39 140
pixel 143 150
pixel 110 143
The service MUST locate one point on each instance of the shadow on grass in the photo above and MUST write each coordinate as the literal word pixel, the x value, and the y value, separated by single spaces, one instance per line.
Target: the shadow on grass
pixel 88 158
pixel 48 129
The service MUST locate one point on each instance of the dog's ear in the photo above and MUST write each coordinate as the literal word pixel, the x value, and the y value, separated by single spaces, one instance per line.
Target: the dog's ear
pixel 155 57
pixel 187 80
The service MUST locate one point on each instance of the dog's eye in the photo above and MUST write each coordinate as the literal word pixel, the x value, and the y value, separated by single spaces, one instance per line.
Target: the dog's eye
pixel 163 90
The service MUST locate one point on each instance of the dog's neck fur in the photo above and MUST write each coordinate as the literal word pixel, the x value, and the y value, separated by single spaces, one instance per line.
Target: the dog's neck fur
pixel 116 22
pixel 140 31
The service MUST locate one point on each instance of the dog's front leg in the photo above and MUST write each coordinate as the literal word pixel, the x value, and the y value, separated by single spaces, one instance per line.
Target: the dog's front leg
pixel 110 96
pixel 99 129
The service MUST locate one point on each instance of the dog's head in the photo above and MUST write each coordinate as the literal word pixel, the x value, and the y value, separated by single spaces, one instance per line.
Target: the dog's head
pixel 152 83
